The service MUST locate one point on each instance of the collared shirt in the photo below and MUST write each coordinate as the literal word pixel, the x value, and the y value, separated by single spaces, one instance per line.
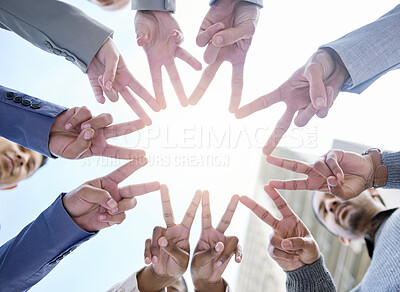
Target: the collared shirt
pixel 376 222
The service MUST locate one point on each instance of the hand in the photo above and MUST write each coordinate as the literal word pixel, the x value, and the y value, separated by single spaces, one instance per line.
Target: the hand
pixel 343 174
pixel 160 36
pixel 291 244
pixel 311 90
pixel 75 134
pixel 227 30
pixel 214 250
pixel 168 250
pixel 109 74
pixel 99 203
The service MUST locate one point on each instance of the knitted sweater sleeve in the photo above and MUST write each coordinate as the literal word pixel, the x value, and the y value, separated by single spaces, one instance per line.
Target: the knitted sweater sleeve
pixel 392 162
pixel 311 278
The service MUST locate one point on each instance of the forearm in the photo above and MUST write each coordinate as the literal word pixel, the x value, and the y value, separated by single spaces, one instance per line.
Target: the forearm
pixel 149 281
pixel 370 51
pixel 310 278
pixel 159 5
pixel 26 120
pixel 38 248
pixel 56 27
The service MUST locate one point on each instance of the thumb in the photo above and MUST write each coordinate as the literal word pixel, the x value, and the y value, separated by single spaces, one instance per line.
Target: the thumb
pixel 203 257
pixel 177 36
pixel 232 35
pixel 314 76
pixel 142 34
pixel 180 256
pixel 297 243
pixel 82 143
pixel 111 60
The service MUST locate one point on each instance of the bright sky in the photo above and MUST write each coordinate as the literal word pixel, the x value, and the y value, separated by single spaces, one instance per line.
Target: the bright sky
pixel 288 33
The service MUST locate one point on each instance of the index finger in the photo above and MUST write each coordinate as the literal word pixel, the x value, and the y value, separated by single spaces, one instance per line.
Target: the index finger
pixel 191 211
pixel 205 211
pixel 258 104
pixel 168 213
pixel 135 106
pixel 289 164
pixel 261 213
pixel 280 129
pixel 126 170
pixel 227 217
pixel 279 202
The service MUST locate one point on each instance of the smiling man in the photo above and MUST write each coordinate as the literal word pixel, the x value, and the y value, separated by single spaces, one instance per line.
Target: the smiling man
pixel 17 163
pixel 364 217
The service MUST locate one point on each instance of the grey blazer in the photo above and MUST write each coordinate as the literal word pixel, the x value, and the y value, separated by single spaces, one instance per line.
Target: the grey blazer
pixel 169 5
pixel 56 27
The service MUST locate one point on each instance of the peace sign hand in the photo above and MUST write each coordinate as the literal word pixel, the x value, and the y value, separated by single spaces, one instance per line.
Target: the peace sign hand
pixel 291 244
pixel 100 203
pixel 343 174
pixel 168 250
pixel 214 249
pixel 75 134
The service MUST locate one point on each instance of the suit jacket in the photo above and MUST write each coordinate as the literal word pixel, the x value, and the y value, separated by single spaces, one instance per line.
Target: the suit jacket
pixel 169 5
pixel 56 27
pixel 27 120
pixel 38 248
pixel 370 51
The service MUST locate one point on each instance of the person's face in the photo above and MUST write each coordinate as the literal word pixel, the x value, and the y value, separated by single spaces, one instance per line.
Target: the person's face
pixel 177 286
pixel 16 163
pixel 111 4
pixel 347 219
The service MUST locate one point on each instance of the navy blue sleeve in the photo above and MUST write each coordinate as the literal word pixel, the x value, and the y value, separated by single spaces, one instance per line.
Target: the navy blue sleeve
pixel 27 120
pixel 38 248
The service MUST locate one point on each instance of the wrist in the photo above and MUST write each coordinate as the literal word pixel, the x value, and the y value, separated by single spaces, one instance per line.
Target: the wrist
pixel 149 280
pixel 208 286
pixel 378 172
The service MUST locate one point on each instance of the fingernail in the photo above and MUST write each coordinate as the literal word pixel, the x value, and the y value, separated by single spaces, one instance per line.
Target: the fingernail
pixel 299 251
pixel 332 183
pixel 218 247
pixel 339 176
pixel 85 126
pixel 287 244
pixel 296 257
pixel 68 127
pixel 112 204
pixel 239 257
pixel 87 135
pixel 109 85
pixel 155 259
pixel 164 242
pixel 115 210
pixel 218 40
pixel 320 102
pixel 147 260
pixel 219 263
pixel 102 217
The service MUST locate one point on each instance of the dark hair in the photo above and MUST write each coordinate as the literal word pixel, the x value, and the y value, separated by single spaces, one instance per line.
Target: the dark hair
pixel 44 161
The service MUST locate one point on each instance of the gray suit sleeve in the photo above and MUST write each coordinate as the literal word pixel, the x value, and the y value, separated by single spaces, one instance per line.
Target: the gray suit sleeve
pixel 310 278
pixel 159 5
pixel 258 2
pixel 56 27
pixel 370 51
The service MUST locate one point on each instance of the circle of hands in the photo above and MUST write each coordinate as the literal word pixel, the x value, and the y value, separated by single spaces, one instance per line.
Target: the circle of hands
pixel 226 33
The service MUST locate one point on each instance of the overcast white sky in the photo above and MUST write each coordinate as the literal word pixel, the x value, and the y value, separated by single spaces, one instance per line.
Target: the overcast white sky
pixel 288 33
